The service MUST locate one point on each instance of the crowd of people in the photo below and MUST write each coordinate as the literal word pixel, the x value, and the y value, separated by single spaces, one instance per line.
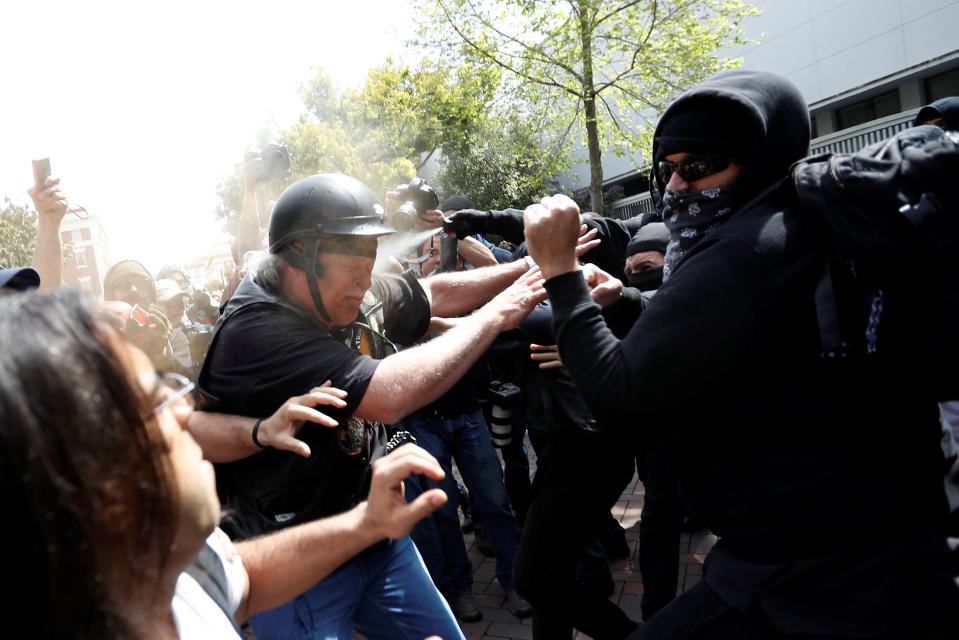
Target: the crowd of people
pixel 281 464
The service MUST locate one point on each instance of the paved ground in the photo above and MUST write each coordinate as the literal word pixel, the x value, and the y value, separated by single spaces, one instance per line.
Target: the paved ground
pixel 499 624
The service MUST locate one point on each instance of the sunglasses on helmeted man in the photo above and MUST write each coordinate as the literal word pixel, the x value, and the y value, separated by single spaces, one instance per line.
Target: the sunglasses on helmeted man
pixel 692 168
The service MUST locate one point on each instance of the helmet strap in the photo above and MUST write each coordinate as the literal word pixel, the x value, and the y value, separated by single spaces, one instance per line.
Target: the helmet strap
pixel 312 247
pixel 305 261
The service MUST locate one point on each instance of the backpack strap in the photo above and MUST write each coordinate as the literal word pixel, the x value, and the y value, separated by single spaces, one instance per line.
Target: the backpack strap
pixel 208 571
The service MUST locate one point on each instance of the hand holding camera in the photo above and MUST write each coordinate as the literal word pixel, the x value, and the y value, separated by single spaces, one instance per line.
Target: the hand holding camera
pixel 418 206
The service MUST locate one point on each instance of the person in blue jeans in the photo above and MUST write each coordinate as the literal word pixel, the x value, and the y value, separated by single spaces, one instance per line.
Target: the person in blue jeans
pixel 465 438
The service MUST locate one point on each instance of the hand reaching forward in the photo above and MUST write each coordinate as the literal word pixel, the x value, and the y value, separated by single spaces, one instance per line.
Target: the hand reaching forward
pixel 387 511
pixel 514 303
pixel 547 355
pixel 604 288
pixel 279 430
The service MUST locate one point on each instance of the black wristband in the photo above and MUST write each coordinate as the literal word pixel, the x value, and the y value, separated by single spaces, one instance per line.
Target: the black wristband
pixel 256 429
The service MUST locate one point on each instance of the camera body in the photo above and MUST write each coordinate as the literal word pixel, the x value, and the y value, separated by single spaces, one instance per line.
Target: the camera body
pixel 276 161
pixel 417 198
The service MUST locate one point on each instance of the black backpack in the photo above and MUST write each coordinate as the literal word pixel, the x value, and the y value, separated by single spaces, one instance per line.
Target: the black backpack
pixel 891 218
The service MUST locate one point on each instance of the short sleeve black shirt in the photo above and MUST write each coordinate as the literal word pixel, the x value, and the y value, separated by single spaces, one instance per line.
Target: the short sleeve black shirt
pixel 267 351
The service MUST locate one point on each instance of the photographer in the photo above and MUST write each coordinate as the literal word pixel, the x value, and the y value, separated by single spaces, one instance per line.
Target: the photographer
pixel 415 206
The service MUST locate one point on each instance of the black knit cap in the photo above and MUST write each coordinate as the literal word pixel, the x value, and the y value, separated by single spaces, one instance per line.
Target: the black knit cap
pixel 456 203
pixel 653 236
pixel 708 126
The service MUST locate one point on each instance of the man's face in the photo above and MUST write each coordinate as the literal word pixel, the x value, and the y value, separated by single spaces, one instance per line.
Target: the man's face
pixel 644 261
pixel 343 285
pixel 724 178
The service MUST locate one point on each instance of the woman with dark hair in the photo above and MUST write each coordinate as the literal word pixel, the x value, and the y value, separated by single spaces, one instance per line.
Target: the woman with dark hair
pixel 112 501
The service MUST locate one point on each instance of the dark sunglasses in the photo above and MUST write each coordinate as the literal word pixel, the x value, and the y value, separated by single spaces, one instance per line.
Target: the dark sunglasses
pixel 692 168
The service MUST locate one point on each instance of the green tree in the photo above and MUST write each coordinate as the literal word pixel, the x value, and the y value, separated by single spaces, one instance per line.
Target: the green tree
pixel 602 68
pixel 18 234
pixel 386 131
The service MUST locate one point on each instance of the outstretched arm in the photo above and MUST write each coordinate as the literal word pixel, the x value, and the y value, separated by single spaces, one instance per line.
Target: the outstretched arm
pixel 458 292
pixel 414 377
pixel 283 565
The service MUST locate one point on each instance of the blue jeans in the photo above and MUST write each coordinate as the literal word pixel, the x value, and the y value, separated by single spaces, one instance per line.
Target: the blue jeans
pixel 384 594
pixel 466 439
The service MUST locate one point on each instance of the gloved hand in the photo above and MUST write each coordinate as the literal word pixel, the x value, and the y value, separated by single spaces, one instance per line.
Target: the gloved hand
pixel 507 223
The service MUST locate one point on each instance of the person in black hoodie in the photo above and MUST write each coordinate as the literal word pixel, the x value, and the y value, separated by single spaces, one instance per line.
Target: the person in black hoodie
pixel 824 480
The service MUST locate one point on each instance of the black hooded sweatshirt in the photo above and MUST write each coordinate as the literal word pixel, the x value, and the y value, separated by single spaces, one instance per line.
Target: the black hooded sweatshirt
pixel 824 480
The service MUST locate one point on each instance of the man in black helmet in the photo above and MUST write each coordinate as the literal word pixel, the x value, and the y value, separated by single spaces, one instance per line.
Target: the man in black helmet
pixel 312 311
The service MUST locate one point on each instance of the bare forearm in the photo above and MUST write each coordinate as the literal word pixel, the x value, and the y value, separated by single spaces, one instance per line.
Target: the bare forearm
pixel 48 258
pixel 249 235
pixel 223 437
pixel 415 377
pixel 475 252
pixel 452 294
pixel 283 565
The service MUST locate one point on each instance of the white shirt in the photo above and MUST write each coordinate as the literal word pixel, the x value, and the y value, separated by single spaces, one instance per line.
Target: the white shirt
pixel 195 613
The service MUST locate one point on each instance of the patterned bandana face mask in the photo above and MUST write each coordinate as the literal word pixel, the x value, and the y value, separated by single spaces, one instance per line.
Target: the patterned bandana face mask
pixel 691 215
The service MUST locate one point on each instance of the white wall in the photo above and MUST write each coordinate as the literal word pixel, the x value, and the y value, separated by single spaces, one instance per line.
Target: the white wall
pixel 828 47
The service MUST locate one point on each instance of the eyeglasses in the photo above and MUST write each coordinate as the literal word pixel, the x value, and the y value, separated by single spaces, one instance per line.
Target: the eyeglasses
pixel 180 388
pixel 692 168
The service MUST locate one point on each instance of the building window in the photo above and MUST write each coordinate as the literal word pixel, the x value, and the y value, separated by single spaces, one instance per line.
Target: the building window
pixel 880 106
pixel 76 236
pixel 85 284
pixel 942 85
pixel 82 259
pixel 813 127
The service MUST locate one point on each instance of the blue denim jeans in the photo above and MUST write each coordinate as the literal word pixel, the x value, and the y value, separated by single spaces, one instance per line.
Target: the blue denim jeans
pixel 466 439
pixel 384 594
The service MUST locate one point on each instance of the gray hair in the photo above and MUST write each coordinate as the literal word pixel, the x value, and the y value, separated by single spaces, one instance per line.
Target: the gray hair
pixel 265 267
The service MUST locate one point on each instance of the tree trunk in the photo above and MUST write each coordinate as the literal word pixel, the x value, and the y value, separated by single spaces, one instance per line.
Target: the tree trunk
pixel 595 160
pixel 589 105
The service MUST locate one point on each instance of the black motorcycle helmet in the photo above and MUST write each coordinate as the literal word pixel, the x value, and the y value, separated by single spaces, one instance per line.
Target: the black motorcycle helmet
pixel 324 212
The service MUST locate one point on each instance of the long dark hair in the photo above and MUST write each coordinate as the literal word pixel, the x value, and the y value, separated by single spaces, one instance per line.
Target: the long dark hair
pixel 84 479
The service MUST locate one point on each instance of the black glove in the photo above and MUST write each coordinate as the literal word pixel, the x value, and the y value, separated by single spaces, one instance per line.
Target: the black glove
pixel 507 223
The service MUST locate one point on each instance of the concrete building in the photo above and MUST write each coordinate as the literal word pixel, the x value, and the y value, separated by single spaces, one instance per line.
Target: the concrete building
pixel 87 253
pixel 216 264
pixel 864 66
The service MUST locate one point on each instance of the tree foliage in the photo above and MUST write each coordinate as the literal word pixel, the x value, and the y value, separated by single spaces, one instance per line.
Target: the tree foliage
pixel 599 69
pixel 385 132
pixel 18 234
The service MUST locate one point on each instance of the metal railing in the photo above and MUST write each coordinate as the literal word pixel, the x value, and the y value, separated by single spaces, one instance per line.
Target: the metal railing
pixel 846 141
pixel 855 138
pixel 631 206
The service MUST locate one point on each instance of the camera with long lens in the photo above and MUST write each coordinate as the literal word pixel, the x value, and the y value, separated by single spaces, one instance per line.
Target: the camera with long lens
pixel 503 398
pixel 417 198
pixel 276 161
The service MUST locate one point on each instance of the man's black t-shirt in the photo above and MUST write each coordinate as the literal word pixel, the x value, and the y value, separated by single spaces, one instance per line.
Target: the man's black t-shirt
pixel 266 351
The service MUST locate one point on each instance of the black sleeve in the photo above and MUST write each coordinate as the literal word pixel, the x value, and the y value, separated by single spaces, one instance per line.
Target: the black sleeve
pixel 623 315
pixel 610 255
pixel 694 331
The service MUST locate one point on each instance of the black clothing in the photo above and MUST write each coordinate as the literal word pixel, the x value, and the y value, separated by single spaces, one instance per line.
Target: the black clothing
pixel 791 459
pixel 266 350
